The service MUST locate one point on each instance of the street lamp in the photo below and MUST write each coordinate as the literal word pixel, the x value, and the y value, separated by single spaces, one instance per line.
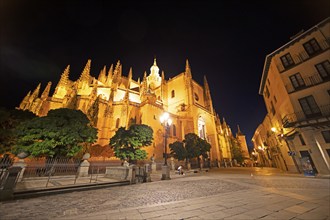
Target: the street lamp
pixel 166 121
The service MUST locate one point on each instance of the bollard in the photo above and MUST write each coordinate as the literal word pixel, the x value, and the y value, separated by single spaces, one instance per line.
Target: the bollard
pixel 20 163
pixel 131 174
pixel 83 169
pixel 147 173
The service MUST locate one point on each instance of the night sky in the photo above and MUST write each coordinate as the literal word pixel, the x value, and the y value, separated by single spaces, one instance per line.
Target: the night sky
pixel 227 42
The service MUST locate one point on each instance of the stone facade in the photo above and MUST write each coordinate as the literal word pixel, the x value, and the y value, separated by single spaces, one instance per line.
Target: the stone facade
pixel 296 86
pixel 113 100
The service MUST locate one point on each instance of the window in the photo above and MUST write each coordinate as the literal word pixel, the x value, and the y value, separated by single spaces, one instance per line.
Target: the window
pixel 267 92
pixel 117 123
pixel 309 106
pixel 297 81
pixel 174 130
pixel 272 108
pixel 312 47
pixel 323 69
pixel 302 140
pixel 287 60
pixel 201 128
pixel 196 97
pixel 326 136
pixel 173 94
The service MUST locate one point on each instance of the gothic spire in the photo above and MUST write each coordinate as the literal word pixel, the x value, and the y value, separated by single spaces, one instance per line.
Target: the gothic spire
pixel 109 77
pixel 45 93
pixel 144 84
pixel 35 93
pixel 117 72
pixel 188 70
pixel 130 73
pixel 85 73
pixel 102 76
pixel 208 99
pixel 163 77
pixel 64 77
pixel 207 88
pixel 224 121
pixel 25 101
pixel 239 131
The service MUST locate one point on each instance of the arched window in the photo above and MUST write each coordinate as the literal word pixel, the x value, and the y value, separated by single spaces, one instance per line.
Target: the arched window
pixel 117 122
pixel 201 128
pixel 173 94
pixel 174 130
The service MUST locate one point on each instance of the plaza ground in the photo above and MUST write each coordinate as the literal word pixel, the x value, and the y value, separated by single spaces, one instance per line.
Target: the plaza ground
pixel 225 193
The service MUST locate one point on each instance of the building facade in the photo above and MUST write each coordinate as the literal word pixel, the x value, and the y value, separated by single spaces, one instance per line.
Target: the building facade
pixel 113 100
pixel 295 85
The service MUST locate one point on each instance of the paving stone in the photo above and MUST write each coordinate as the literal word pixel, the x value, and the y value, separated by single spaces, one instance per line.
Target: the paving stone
pixel 213 196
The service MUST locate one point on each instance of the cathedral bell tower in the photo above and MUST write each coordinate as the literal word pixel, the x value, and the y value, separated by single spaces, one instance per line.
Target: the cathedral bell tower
pixel 154 80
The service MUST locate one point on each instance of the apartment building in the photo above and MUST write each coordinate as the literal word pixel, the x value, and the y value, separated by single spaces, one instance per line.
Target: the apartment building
pixel 295 85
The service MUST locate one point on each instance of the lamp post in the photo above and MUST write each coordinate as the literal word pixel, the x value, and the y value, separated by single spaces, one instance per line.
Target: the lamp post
pixel 166 121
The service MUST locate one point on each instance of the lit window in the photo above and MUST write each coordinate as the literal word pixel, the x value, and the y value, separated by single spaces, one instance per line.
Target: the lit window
pixel 174 130
pixel 326 136
pixel 297 81
pixel 309 107
pixel 323 69
pixel 302 140
pixel 272 108
pixel 173 94
pixel 312 47
pixel 201 128
pixel 287 60
pixel 267 92
pixel 196 97
pixel 117 123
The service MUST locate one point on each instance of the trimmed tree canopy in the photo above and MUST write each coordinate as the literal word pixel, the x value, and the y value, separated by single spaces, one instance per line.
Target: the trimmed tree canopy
pixel 127 144
pixel 191 147
pixel 9 120
pixel 62 133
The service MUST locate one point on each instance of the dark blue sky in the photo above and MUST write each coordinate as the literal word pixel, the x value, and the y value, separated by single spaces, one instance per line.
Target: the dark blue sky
pixel 227 42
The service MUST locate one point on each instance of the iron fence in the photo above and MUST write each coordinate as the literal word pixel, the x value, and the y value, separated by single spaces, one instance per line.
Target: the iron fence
pixel 5 162
pixel 296 117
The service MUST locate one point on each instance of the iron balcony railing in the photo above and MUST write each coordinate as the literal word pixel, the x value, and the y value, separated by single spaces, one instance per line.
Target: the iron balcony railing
pixel 309 81
pixel 294 119
pixel 302 56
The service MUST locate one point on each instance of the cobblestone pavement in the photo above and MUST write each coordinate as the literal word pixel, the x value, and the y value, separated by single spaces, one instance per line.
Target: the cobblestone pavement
pixel 213 195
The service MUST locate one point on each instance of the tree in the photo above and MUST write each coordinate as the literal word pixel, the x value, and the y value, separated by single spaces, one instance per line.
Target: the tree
pixel 178 150
pixel 191 147
pixel 62 133
pixel 236 150
pixel 127 144
pixel 9 120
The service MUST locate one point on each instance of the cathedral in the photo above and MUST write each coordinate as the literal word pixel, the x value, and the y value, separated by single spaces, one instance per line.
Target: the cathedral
pixel 113 100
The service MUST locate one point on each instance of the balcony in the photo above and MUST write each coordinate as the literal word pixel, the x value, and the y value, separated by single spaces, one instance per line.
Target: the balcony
pixel 300 119
pixel 309 81
pixel 302 56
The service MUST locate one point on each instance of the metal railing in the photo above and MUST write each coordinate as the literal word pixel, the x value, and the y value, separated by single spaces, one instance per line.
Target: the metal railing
pixel 309 81
pixel 5 162
pixel 291 119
